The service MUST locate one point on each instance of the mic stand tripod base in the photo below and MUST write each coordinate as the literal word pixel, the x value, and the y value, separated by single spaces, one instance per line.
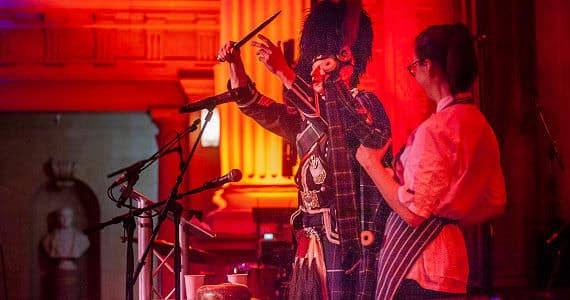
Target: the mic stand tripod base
pixel 129 225
pixel 177 211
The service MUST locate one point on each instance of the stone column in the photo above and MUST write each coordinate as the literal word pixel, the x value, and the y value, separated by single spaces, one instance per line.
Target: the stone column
pixel 244 144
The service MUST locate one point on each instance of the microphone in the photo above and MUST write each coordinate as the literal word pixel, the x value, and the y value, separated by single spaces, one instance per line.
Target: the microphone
pixel 131 176
pixel 119 180
pixel 207 103
pixel 128 173
pixel 233 176
pixel 210 102
pixel 132 180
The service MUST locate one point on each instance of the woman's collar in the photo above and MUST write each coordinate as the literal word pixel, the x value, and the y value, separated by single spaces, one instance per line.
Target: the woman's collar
pixel 445 101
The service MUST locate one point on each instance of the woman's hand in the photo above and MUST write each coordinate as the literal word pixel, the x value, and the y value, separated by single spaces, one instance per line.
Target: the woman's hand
pixel 272 57
pixel 372 158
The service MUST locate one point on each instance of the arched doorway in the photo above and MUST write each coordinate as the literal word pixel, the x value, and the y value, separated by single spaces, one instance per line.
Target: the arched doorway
pixel 49 197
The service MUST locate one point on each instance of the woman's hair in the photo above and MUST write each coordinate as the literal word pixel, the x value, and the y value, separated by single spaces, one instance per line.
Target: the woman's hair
pixel 322 34
pixel 451 48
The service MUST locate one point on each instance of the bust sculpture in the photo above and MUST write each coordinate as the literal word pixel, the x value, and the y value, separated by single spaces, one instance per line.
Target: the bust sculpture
pixel 65 243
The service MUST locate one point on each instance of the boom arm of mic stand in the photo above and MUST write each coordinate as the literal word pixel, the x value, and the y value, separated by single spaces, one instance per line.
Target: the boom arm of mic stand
pixel 194 191
pixel 118 219
pixel 139 165
pixel 171 204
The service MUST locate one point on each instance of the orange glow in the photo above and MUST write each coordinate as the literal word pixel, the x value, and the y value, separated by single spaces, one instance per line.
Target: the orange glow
pixel 244 144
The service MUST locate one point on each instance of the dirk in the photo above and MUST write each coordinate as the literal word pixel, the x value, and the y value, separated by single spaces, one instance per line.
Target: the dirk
pixel 257 29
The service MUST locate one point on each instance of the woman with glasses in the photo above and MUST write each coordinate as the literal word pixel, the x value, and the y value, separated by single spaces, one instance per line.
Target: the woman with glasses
pixel 448 173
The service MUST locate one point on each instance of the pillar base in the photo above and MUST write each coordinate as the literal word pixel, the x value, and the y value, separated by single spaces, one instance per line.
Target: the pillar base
pixel 236 203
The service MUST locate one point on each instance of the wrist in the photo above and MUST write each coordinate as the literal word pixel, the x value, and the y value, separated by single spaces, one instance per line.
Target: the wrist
pixel 243 95
pixel 287 77
pixel 379 168
pixel 238 77
pixel 237 64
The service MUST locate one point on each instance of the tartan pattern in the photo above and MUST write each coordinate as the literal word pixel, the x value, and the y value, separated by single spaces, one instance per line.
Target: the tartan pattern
pixel 373 214
pixel 343 178
pixel 371 207
pixel 373 210
pixel 358 119
pixel 402 247
pixel 308 276
pixel 307 139
pixel 340 285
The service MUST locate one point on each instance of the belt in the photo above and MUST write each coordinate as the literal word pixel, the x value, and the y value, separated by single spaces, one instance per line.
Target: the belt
pixel 318 219
pixel 310 199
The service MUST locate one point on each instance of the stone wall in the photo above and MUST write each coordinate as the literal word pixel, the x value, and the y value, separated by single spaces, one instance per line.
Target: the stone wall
pixel 98 144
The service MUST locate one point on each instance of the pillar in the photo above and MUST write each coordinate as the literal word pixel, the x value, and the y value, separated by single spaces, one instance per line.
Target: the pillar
pixel 244 144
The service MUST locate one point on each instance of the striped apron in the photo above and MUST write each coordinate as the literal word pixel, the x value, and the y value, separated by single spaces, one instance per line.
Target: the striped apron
pixel 403 243
pixel 402 246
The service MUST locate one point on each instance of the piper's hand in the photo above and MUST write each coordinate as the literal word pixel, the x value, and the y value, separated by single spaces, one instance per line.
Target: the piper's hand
pixel 228 53
pixel 270 55
pixel 372 158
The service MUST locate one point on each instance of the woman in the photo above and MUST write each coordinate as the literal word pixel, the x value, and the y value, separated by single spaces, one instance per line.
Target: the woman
pixel 448 173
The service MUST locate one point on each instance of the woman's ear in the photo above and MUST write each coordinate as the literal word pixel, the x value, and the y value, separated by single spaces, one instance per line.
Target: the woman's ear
pixel 429 66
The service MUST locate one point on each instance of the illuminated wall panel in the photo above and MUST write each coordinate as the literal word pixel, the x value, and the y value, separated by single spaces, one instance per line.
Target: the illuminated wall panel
pixel 244 144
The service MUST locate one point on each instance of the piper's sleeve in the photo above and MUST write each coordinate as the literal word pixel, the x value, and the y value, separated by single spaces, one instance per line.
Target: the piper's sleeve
pixel 371 120
pixel 365 118
pixel 281 119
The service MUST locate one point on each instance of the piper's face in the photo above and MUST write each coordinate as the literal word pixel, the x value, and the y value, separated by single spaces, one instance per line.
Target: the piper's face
pixel 325 65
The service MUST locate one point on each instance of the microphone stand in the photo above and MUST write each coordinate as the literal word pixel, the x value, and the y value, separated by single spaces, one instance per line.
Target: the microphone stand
pixel 133 171
pixel 554 154
pixel 176 209
pixel 129 224
pixel 128 220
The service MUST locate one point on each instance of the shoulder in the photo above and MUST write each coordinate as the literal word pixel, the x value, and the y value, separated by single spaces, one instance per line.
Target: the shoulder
pixel 463 124
pixel 364 95
pixel 435 128
pixel 464 120
pixel 368 99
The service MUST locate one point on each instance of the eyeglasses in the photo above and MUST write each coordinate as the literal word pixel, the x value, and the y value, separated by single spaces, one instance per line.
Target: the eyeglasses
pixel 412 66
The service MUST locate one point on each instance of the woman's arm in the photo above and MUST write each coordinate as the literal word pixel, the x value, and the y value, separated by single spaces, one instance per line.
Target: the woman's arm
pixel 383 178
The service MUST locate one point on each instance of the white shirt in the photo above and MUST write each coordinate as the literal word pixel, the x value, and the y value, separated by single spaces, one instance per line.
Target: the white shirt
pixel 451 170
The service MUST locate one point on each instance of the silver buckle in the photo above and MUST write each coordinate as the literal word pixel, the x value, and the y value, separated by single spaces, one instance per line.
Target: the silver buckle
pixel 310 199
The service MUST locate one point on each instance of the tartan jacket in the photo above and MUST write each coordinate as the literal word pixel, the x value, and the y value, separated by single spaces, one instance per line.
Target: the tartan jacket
pixel 366 123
